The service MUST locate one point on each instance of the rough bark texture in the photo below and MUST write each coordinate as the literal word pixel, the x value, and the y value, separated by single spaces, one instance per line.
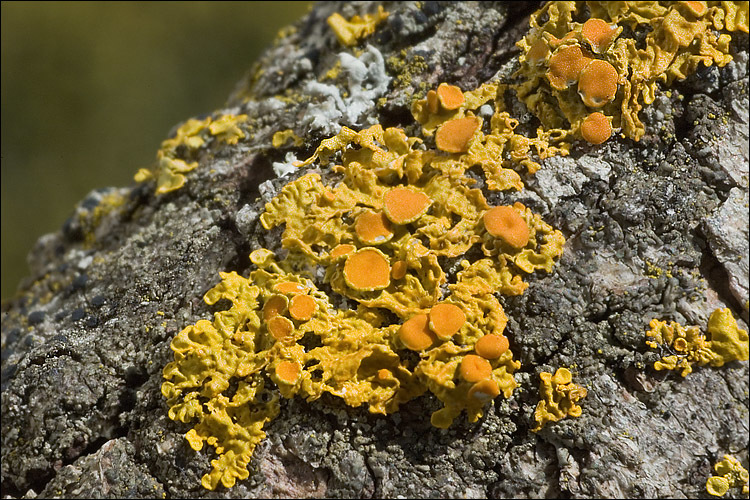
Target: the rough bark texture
pixel 85 341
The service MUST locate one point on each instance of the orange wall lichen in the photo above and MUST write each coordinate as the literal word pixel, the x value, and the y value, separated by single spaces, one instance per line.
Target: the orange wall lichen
pixel 377 236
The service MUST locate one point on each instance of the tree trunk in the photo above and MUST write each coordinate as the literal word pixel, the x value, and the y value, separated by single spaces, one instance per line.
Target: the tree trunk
pixel 655 229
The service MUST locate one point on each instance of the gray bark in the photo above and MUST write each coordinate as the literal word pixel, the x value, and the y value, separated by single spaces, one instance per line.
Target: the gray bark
pixel 84 343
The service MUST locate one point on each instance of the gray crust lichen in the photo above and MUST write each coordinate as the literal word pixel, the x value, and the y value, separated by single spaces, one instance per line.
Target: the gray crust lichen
pixel 654 229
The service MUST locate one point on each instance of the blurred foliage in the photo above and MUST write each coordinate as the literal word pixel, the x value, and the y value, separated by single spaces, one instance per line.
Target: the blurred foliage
pixel 89 91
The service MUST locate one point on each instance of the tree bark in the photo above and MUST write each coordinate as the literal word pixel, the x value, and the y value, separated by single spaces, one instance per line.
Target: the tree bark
pixel 655 229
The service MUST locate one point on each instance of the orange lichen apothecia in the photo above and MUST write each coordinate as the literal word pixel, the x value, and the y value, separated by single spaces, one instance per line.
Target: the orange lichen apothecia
pixel 507 224
pixel 450 96
pixel 599 34
pixel 596 128
pixel 597 83
pixel 373 228
pixel 453 136
pixel 415 333
pixel 404 205
pixel 565 66
pixel 367 270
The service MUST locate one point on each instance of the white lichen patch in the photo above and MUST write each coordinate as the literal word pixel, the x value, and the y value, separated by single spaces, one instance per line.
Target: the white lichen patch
pixel 283 168
pixel 348 103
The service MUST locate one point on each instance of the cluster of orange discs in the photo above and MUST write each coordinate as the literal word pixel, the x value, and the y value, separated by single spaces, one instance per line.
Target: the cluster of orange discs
pixel 443 321
pixel 571 64
pixel 369 269
pixel 277 311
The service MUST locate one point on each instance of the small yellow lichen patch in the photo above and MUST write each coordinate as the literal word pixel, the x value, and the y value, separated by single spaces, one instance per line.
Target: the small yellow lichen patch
pixel 226 128
pixel 168 173
pixel 729 474
pixel 188 135
pixel 728 341
pixel 596 128
pixel 682 348
pixel 282 137
pixel 454 135
pixel 350 32
pixel 192 135
pixel 558 398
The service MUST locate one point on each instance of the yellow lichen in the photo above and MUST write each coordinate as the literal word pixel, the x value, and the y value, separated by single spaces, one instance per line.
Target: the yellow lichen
pixel 558 398
pixel 674 38
pixel 168 174
pixel 728 341
pixel 282 137
pixel 729 474
pixel 226 128
pixel 431 212
pixel 350 32
pixel 497 153
pixel 190 137
pixel 397 210
pixel 682 347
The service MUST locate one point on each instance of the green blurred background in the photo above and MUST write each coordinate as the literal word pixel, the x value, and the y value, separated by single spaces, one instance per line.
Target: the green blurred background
pixel 89 91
